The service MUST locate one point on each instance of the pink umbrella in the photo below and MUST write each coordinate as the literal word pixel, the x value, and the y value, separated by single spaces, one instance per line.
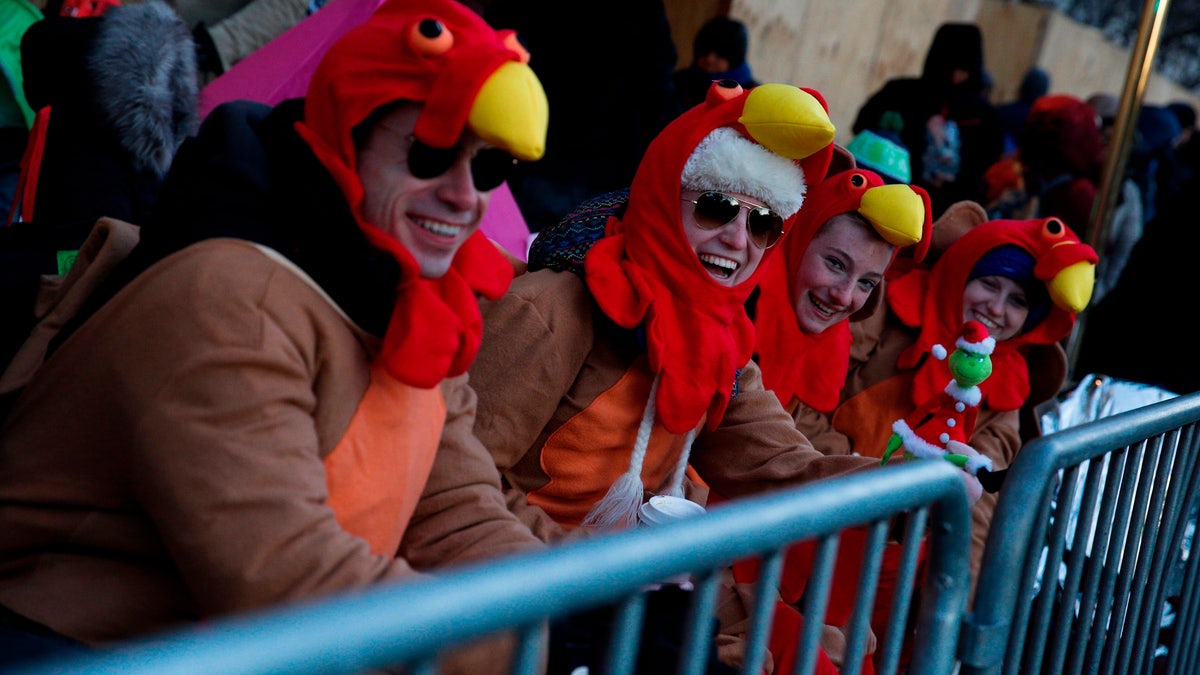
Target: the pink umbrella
pixel 282 68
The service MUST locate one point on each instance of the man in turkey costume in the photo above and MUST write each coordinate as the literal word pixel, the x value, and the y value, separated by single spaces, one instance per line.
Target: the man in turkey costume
pixel 276 408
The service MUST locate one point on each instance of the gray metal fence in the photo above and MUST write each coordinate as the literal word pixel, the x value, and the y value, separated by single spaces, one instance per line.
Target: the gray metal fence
pixel 1087 567
pixel 410 623
pixel 1087 570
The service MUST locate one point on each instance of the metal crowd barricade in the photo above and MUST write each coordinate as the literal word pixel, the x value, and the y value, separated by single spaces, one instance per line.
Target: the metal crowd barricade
pixel 1087 566
pixel 408 624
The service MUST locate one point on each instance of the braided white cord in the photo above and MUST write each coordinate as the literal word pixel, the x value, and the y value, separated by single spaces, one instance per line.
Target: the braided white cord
pixel 676 487
pixel 619 507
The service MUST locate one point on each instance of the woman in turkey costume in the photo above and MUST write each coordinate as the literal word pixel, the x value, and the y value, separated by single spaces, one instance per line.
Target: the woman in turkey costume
pixel 1025 280
pixel 597 389
pixel 830 269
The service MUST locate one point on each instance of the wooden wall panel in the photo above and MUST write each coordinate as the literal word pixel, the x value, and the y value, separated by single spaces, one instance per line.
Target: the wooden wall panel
pixel 686 17
pixel 1012 39
pixel 820 58
pixel 1080 61
pixel 1084 63
pixel 846 49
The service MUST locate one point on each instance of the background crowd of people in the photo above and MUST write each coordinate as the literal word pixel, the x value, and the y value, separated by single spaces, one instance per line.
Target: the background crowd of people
pixel 313 371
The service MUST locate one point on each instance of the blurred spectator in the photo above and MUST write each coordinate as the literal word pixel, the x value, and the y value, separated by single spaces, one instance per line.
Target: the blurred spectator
pixel 116 96
pixel 882 151
pixel 718 53
pixel 227 32
pixel 1186 114
pixel 1035 84
pixel 1062 153
pixel 1117 341
pixel 608 102
pixel 1185 155
pixel 1160 154
pixel 1127 221
pixel 1004 193
pixel 1152 157
pixel 1106 107
pixel 952 131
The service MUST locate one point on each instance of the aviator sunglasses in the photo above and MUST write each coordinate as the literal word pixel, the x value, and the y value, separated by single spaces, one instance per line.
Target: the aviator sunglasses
pixel 489 167
pixel 717 209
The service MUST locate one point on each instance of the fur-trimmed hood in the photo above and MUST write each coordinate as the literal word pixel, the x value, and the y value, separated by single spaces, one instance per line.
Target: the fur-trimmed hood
pixel 134 68
pixel 144 65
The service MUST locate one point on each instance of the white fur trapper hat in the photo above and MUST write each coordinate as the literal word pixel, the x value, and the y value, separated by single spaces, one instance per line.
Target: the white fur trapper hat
pixel 727 161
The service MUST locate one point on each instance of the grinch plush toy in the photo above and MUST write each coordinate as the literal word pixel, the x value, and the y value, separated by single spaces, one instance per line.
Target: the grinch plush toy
pixel 942 425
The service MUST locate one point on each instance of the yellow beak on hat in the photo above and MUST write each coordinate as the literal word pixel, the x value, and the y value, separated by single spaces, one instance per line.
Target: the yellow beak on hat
pixel 511 112
pixel 786 120
pixel 1071 288
pixel 896 211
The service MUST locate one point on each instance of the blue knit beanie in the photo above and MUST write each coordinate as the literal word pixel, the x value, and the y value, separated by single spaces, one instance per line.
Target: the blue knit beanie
pixel 1016 263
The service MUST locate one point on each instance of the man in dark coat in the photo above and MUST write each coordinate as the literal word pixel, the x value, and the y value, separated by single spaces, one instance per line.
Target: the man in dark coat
pixel 952 131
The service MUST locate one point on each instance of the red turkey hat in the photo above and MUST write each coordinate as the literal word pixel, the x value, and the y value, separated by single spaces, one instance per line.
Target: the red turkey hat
pixel 466 75
pixel 644 273
pixel 812 368
pixel 933 301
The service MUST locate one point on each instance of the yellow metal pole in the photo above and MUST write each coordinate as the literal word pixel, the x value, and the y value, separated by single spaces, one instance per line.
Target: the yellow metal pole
pixel 1141 59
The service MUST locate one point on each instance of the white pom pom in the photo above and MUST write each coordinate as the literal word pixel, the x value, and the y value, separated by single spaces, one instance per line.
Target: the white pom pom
pixel 619 508
pixel 939 352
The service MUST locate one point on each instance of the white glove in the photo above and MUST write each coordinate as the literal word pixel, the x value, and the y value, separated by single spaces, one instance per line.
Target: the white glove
pixel 975 461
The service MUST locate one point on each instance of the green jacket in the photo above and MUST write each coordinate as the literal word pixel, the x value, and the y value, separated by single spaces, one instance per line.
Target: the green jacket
pixel 15 17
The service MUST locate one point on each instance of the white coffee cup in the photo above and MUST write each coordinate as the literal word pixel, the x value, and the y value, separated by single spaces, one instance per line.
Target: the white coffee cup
pixel 665 508
pixel 662 509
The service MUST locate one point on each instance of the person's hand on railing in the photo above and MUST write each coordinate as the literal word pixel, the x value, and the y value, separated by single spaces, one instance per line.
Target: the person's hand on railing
pixel 970 478
pixel 833 641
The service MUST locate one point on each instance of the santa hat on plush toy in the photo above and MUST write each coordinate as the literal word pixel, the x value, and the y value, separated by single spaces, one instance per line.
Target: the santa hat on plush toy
pixel 974 338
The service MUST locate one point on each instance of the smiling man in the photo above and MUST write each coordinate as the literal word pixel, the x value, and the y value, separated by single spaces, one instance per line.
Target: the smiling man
pixel 276 408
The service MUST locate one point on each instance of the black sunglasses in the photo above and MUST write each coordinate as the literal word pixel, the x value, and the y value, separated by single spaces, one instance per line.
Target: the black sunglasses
pixel 489 167
pixel 717 209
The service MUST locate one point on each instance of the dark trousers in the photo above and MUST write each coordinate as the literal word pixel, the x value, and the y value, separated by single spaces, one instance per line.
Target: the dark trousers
pixel 23 640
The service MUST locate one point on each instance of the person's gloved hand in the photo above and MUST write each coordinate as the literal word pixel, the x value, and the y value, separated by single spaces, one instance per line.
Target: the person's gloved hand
pixel 975 461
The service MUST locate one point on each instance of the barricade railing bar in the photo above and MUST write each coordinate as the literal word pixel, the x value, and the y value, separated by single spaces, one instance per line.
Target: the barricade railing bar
pixel 1087 569
pixel 411 624
pixel 1087 566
